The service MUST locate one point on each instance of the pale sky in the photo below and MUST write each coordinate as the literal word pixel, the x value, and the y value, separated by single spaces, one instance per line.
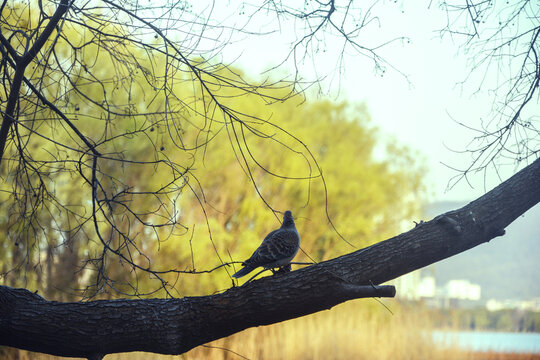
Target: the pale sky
pixel 418 112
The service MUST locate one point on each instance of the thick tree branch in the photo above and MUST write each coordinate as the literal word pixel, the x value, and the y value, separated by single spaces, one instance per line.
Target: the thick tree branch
pixel 168 326
pixel 174 326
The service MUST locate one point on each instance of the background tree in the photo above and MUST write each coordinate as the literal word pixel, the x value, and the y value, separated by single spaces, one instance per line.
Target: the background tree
pixel 112 133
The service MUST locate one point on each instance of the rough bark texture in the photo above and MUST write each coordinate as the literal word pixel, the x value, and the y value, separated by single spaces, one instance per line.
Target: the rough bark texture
pixel 168 326
pixel 173 326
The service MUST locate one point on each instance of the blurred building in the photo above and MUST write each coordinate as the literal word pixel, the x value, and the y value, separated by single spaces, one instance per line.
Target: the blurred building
pixel 461 290
pixel 455 293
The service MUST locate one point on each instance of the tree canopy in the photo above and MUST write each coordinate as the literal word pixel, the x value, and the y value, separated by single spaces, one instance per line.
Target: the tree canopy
pixel 183 182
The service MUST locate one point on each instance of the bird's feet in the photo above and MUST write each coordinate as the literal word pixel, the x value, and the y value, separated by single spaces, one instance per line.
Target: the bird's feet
pixel 282 270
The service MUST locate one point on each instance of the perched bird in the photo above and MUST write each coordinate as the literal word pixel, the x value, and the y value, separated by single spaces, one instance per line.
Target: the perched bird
pixel 277 249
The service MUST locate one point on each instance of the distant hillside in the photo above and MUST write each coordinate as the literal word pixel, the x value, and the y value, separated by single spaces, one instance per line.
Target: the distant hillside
pixel 507 267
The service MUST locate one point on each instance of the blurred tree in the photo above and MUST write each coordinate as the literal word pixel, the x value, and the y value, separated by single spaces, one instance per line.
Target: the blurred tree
pixel 117 140
pixel 346 143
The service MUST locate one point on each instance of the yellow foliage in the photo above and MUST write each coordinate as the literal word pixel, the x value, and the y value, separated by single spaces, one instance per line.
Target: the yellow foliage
pixel 189 176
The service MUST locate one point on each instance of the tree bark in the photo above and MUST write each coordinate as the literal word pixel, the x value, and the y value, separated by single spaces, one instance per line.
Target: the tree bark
pixel 174 326
pixel 168 326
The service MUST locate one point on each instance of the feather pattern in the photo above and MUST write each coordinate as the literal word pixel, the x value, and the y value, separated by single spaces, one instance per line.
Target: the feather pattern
pixel 278 248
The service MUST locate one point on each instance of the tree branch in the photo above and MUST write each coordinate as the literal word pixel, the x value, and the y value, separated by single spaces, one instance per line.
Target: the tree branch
pixel 174 326
pixel 21 64
pixel 167 326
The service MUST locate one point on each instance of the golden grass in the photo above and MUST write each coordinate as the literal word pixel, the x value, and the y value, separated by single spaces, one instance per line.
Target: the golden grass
pixel 355 330
pixel 361 329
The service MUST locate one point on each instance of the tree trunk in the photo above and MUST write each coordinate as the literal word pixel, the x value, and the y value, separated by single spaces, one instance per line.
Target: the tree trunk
pixel 174 326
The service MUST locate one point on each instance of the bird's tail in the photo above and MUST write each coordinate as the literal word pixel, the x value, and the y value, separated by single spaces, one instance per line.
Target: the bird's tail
pixel 244 271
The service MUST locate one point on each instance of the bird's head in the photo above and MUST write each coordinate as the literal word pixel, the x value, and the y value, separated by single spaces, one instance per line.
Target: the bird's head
pixel 288 219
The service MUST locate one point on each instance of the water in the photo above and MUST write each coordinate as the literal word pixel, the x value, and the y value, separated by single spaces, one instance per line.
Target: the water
pixel 490 341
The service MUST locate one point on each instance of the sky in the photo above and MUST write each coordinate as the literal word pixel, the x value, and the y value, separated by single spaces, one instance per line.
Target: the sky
pixel 419 102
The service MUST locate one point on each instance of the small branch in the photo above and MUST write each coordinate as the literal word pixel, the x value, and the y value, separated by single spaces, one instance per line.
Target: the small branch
pixel 21 64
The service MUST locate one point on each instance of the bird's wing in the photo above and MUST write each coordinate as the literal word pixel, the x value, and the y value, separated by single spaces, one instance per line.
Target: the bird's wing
pixel 277 245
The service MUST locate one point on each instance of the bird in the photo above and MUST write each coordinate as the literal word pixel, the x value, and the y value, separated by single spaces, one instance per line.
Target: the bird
pixel 277 249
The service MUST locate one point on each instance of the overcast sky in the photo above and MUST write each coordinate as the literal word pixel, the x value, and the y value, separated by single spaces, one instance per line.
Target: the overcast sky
pixel 420 110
